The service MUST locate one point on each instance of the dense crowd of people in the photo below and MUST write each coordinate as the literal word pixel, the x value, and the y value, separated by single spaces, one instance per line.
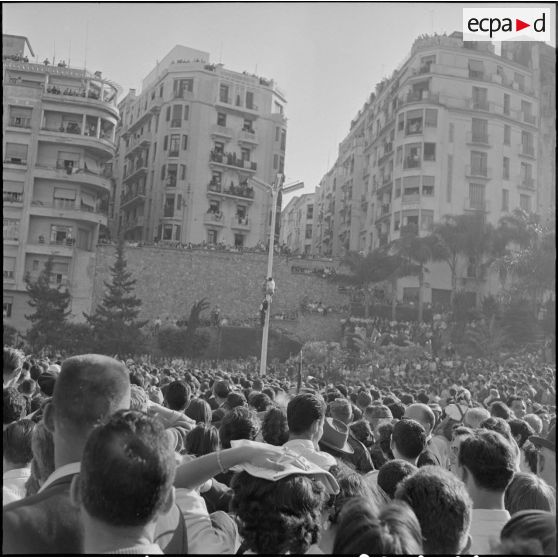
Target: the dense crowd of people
pixel 415 456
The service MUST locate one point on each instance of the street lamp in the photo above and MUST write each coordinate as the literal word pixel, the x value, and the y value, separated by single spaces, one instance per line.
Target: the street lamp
pixel 275 188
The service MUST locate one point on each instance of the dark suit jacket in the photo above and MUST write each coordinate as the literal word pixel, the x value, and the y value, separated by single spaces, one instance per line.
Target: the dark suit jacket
pixel 47 523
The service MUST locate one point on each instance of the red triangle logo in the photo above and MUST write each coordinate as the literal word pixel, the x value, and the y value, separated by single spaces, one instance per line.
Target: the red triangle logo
pixel 519 25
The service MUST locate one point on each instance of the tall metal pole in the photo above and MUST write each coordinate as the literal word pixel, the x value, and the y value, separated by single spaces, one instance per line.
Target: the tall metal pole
pixel 274 195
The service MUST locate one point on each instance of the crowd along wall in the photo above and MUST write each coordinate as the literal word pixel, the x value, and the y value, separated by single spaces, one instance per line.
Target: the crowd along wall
pixel 169 281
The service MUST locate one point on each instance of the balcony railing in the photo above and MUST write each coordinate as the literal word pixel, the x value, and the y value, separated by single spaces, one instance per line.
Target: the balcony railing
pixel 479 104
pixel 214 218
pixel 221 131
pixel 20 122
pixel 12 197
pixel 247 136
pixel 526 182
pixel 232 160
pixel 410 163
pixel 15 161
pixel 71 205
pixel 478 138
pixel 478 171
pixel 476 205
pixel 526 149
pixel 241 190
pixel 240 222
pixel 139 194
pixel 8 275
pixel 410 199
pixel 529 118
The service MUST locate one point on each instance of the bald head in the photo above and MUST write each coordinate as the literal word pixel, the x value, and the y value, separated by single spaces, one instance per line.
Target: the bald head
pixel 474 416
pixel 89 389
pixel 423 414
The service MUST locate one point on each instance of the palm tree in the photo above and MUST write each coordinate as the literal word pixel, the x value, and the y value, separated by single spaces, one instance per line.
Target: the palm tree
pixel 417 250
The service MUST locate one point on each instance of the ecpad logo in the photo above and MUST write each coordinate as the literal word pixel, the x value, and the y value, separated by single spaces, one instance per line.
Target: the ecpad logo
pixel 506 24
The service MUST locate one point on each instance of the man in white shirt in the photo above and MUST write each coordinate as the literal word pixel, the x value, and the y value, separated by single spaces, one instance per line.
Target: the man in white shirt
pixel 17 455
pixel 305 417
pixel 486 464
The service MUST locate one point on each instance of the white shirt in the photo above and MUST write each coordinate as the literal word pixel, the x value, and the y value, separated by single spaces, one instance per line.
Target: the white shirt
pixel 306 449
pixel 486 526
pixel 203 538
pixel 68 469
pixel 13 485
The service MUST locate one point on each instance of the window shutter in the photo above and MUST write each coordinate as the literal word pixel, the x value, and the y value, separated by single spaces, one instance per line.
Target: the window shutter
pixel 184 143
pixel 166 143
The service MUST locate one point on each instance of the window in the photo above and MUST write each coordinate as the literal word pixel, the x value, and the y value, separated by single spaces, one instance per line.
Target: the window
pixel 449 181
pixel 480 98
pixel 426 219
pixel 526 109
pixel 414 122
pixel 167 232
pixel 11 229
pixel 214 207
pixel 476 196
pixel 165 143
pixel 168 117
pixel 396 221
pixel 278 108
pixel 308 232
pixel 216 177
pixel 239 240
pixel 451 132
pixel 184 143
pixel 520 80
pixel 171 175
pixel 161 91
pixel 180 86
pixel 479 162
pixel 12 191
pixel 526 175
pixel 476 69
pixel 506 168
pixel 162 172
pixel 247 125
pixel 426 62
pixel 176 120
pixel 525 202
pixel 281 164
pixel 224 93
pixel 277 133
pixel 60 234
pixel 397 187
pixel 16 153
pixel 275 161
pixel 177 232
pixel 505 200
pixel 427 185
pixel 401 122
pixel 221 119
pixel 309 212
pixel 429 151
pixel 412 156
pixel 212 236
pixel 399 155
pixel 241 212
pixel 283 139
pixel 507 134
pixel 479 129
pixel 7 306
pixel 527 146
pixel 411 189
pixel 20 117
pixel 64 198
pixel 182 172
pixel 245 154
pixel 9 268
pixel 431 118
pixel 249 100
pixel 174 145
pixel 186 112
pixel 169 205
pixel 219 147
pixel 507 100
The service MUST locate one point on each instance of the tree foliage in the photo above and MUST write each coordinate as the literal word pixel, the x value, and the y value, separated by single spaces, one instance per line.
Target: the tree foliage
pixel 51 305
pixel 116 329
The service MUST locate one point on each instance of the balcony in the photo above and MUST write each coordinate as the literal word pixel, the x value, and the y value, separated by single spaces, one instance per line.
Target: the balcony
pixel 13 197
pixel 8 276
pixel 133 223
pixel 478 139
pixel 420 97
pixel 479 104
pixel 480 76
pixel 476 205
pixel 15 161
pixel 241 191
pixel 221 131
pixel 231 161
pixel 478 172
pixel 140 169
pixel 143 142
pixel 69 209
pixel 214 219
pixel 384 210
pixel 240 223
pixel 20 122
pixel 81 175
pixel 248 136
pixel 529 118
pixel 527 150
pixel 410 199
pixel 228 104
pixel 526 183
pixel 69 134
pixel 132 197
pixel 411 163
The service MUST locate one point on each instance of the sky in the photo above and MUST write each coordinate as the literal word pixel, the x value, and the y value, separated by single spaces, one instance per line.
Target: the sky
pixel 326 57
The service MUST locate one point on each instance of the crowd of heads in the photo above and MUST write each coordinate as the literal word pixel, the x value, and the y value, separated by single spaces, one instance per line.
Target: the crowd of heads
pixel 456 460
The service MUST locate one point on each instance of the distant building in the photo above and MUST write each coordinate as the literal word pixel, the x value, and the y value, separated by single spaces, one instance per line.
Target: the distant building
pixel 58 127
pixel 297 222
pixel 456 129
pixel 188 146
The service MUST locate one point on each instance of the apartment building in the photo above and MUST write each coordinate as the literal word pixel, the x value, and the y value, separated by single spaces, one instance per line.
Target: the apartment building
pixel 59 127
pixel 297 223
pixel 457 128
pixel 188 146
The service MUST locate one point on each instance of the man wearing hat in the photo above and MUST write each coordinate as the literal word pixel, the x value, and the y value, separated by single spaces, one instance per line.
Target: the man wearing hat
pixel 546 456
pixel 335 438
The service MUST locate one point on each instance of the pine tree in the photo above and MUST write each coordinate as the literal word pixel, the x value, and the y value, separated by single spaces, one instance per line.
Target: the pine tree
pixel 51 306
pixel 116 329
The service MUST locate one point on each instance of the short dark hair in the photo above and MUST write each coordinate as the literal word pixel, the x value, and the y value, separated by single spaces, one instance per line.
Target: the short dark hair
pixel 235 399
pixel 27 387
pixel 278 517
pixel 521 428
pixel 362 530
pixel 127 470
pixel 303 410
pixel 137 379
pixel 407 399
pixel 238 424
pixel 409 437
pixel 490 459
pixel 221 389
pixel 397 409
pixel 13 361
pixel 500 409
pixel 35 371
pixel 260 401
pixel 199 410
pixel 14 405
pixel 392 473
pixel 497 424
pixel 202 439
pixel 178 395
pixel 532 524
pixel 89 389
pixel 16 442
pixel 529 492
pixel 275 430
pixel 351 485
pixel 270 392
pixel 442 506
